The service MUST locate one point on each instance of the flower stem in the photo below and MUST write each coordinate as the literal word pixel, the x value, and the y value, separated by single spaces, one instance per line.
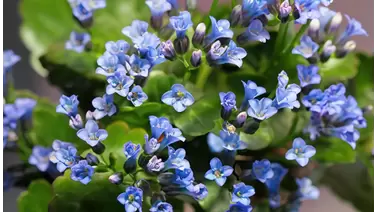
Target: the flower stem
pixel 203 75
pixel 282 34
pixel 297 37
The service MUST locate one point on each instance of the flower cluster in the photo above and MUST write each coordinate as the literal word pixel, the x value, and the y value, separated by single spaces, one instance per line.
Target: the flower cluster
pixel 83 9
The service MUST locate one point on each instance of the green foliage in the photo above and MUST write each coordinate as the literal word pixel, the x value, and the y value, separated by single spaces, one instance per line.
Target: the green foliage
pixel 333 150
pixel 36 198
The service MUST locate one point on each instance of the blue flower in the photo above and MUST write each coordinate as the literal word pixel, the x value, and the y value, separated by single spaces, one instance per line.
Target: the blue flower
pixel 227 140
pixel 286 95
pixel 77 41
pixel 174 4
pixel 326 2
pixel 307 9
pixel 103 106
pixel 180 178
pixel 155 164
pixel 108 64
pixel 262 170
pixel 95 4
pixel 164 132
pixel 119 83
pixel 232 54
pixel 68 105
pixel 136 31
pixel 147 41
pixel 21 109
pixel 255 32
pixel 181 23
pixel 131 199
pixel 228 100
pixel 314 96
pixel 176 159
pixel 306 190
pixel 82 172
pixel 261 109
pixel 300 152
pixel 64 155
pixel 242 193
pixel 151 145
pixel 218 172
pixel 119 48
pixel 251 91
pixel 353 28
pixel 131 150
pixel 137 96
pixel 91 134
pixel 308 75
pixel 198 192
pixel 254 8
pixel 75 122
pixel 307 47
pixel 137 66
pixel 81 11
pixel 160 206
pixel 40 157
pixel 239 207
pixel 178 97
pixel 9 59
pixel 158 7
pixel 273 184
pixel 220 30
pixel 306 15
pixel 155 56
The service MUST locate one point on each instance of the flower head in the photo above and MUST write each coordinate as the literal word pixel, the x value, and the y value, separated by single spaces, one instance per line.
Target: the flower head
pixel 262 170
pixel 228 100
pixel 220 30
pixel 178 97
pixel 300 152
pixel 253 8
pixel 218 172
pixel 91 134
pixel 273 184
pixel 164 132
pixel 181 23
pixel 136 31
pixel 64 155
pixel 151 145
pixel 286 95
pixel 353 28
pixel 118 48
pixel 255 32
pixel 176 159
pixel 251 91
pixel 9 59
pixel 77 41
pixel 81 11
pixel 160 206
pixel 119 83
pixel 306 190
pixel 137 96
pixel 109 63
pixel 314 96
pixel 261 109
pixel 131 150
pixel 148 40
pixel 155 56
pixel 307 47
pixel 158 7
pixel 82 172
pixel 155 164
pixel 68 105
pixel 308 75
pixel 103 106
pixel 231 54
pixel 239 207
pixel 40 157
pixel 137 66
pixel 227 140
pixel 131 199
pixel 242 193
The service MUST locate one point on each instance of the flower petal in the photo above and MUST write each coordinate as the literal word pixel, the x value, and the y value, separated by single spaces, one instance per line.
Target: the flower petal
pixel 215 163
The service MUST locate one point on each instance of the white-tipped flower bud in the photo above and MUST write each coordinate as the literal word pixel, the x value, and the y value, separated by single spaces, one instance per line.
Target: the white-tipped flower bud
pixel 198 37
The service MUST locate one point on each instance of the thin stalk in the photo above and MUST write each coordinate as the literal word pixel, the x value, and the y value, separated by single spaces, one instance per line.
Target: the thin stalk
pixel 203 75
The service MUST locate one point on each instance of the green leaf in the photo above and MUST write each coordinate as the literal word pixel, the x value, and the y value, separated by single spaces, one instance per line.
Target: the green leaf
pixel 218 198
pixel 199 118
pixel 98 195
pixel 336 70
pixel 158 83
pixel 333 150
pixel 261 139
pixel 36 198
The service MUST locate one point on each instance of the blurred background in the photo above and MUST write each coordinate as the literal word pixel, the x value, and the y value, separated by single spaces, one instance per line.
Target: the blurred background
pixel 26 78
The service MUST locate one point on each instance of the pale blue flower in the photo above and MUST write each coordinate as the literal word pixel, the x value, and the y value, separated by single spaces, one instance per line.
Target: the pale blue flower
pixel 306 190
pixel 131 199
pixel 261 109
pixel 68 105
pixel 231 54
pixel 255 32
pixel 227 140
pixel 81 11
pixel 252 90
pixel 252 9
pixel 220 30
pixel 160 206
pixel 109 64
pixel 308 75
pixel 9 59
pixel 64 155
pixel 119 83
pixel 239 207
pixel 147 41
pixel 242 193
pixel 137 96
pixel 137 66
pixel 104 106
pixel 131 150
pixel 218 172
pixel 178 97
pixel 136 31
pixel 82 172
pixel 300 152
pixel 155 164
pixel 155 56
pixel 273 184
pixel 77 41
pixel 40 157
pixel 158 7
pixel 353 28
pixel 91 134
pixel 151 145
pixel 286 95
pixel 118 48
pixel 307 47
pixel 181 23
pixel 262 170
pixel 176 159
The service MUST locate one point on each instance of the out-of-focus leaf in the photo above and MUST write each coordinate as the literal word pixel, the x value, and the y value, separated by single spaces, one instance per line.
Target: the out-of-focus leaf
pixel 158 83
pixel 336 70
pixel 36 198
pixel 333 150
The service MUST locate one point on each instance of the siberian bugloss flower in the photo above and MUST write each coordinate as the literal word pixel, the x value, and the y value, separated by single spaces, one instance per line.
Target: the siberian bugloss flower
pixel 252 90
pixel 119 83
pixel 198 191
pixel 160 206
pixel 9 59
pixel 218 172
pixel 108 64
pixel 118 48
pixel 40 157
pixel 75 122
pixel 103 106
pixel 300 152
pixel 262 170
pixel 226 140
pixel 273 184
pixel 136 31
pixel 64 155
pixel 242 193
pixel 261 109
pixel 239 207
pixel 176 159
pixel 181 23
pixel 353 28
pixel 77 41
pixel 68 105
pixel 137 67
pixel 151 145
pixel 228 103
pixel 158 7
pixel 131 150
pixel 131 199
pixel 308 75
pixel 286 95
pixel 178 97
pixel 306 191
pixel 307 47
pixel 155 56
pixel 137 96
pixel 252 9
pixel 314 96
pixel 254 32
pixel 91 134
pixel 82 172
pixel 167 49
pixel 220 30
pixel 231 54
pixel 155 164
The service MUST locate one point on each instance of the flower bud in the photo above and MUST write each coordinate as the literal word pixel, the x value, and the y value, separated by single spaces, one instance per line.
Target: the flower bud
pixel 328 49
pixel 156 22
pixel 273 7
pixel 198 37
pixel 313 30
pixel 241 118
pixel 76 122
pixel 130 165
pixel 284 10
pixel 333 25
pixel 235 17
pixel 296 12
pixel 196 58
pixel 116 178
pixel 167 50
pixel 251 126
pixel 347 48
pixel 313 59
pixel 92 159
pixel 99 148
pixel 182 45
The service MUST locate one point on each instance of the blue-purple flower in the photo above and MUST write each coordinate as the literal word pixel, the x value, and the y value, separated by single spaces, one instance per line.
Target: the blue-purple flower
pixel 68 105
pixel 227 140
pixel 155 164
pixel 242 193
pixel 148 40
pixel 77 41
pixel 81 10
pixel 262 170
pixel 158 7
pixel 64 155
pixel 108 64
pixel 286 95
pixel 308 75
pixel 137 66
pixel 180 178
pixel 119 83
pixel 306 191
pixel 273 184
pixel 178 97
pixel 353 28
pixel 136 31
pixel 160 206
pixel 198 191
pixel 9 59
pixel 176 159
pixel 314 96
pixel 104 106
pixel 155 56
pixel 255 32
pixel 40 157
pixel 75 122
pixel 137 96
pixel 253 8
pixel 118 48
pixel 239 207
pixel 252 90
pixel 164 132
pixel 300 152
pixel 307 47
pixel 131 199
pixel 218 172
pixel 82 172
pixel 231 54
pixel 181 23
pixel 228 100
pixel 91 134
pixel 131 150
pixel 21 109
pixel 151 145
pixel 220 30
pixel 261 109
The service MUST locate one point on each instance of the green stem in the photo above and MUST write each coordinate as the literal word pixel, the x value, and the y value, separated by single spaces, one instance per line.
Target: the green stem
pixel 213 8
pixel 187 76
pixel 297 37
pixel 283 29
pixel 293 127
pixel 203 75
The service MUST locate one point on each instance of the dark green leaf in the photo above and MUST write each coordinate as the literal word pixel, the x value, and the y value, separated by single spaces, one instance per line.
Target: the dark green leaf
pixel 333 150
pixel 259 140
pixel 36 198
pixel 336 70
pixel 158 83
